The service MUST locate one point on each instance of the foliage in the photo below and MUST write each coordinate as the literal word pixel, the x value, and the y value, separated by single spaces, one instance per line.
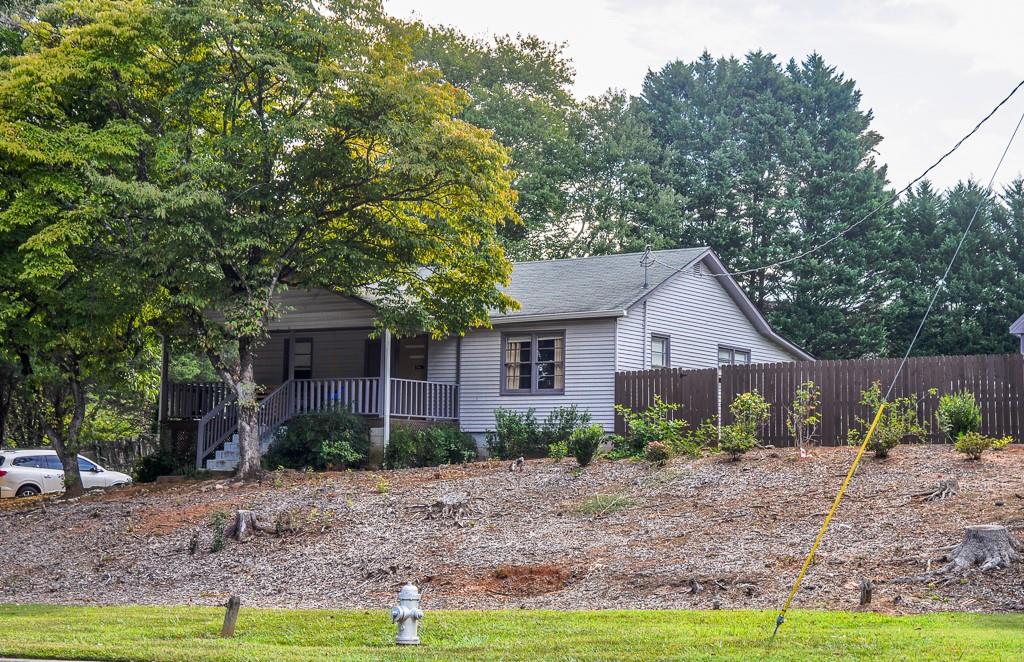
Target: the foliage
pixel 900 421
pixel 150 467
pixel 973 444
pixel 519 434
pixel 217 522
pixel 1001 443
pixel 584 442
pixel 428 447
pixel 558 451
pixel 803 416
pixel 383 486
pixel 255 147
pixel 606 504
pixel 958 414
pixel 332 439
pixel 653 424
pixel 658 453
pixel 749 411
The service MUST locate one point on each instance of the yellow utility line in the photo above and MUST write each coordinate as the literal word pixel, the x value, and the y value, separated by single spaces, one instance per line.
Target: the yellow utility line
pixel 828 519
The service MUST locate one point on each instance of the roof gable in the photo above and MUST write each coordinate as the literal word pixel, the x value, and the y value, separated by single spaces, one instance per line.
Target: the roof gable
pixel 1017 328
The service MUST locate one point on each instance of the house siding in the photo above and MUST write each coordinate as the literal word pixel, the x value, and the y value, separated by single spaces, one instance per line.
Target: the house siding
pixel 589 374
pixel 698 315
pixel 320 309
pixel 336 353
pixel 441 360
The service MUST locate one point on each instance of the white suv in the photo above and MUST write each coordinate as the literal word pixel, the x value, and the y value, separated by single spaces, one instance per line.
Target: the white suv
pixel 32 472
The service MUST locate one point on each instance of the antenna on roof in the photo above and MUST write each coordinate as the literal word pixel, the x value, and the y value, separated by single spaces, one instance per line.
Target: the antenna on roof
pixel 646 260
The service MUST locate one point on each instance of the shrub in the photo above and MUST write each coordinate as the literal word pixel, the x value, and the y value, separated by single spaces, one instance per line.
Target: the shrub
pixel 750 411
pixel 657 452
pixel 559 425
pixel 958 414
pixel 520 434
pixel 332 439
pixel 606 504
pixel 653 424
pixel 584 442
pixel 1001 443
pixel 899 421
pixel 802 417
pixel 558 451
pixel 428 447
pixel 150 467
pixel 973 444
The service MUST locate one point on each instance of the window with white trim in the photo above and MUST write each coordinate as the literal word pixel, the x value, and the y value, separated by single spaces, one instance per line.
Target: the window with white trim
pixel 533 363
pixel 733 356
pixel 660 351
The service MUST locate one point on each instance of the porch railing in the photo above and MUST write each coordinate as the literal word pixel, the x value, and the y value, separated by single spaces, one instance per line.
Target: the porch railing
pixel 193 399
pixel 361 395
pixel 410 398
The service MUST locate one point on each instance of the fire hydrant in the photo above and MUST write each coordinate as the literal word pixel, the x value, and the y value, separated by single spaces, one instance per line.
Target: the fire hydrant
pixel 407 615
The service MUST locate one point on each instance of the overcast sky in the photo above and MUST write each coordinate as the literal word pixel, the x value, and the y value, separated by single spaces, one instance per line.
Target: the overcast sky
pixel 929 69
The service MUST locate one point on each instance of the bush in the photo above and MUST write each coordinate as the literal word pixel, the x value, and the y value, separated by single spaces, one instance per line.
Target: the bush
pixel 584 442
pixel 332 439
pixel 802 417
pixel 973 444
pixel 750 412
pixel 519 434
pixel 653 424
pixel 428 447
pixel 958 414
pixel 899 422
pixel 1001 443
pixel 558 451
pixel 150 467
pixel 657 453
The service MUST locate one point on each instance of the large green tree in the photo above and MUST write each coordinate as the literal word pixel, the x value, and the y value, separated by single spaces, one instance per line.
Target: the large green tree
pixel 269 145
pixel 762 161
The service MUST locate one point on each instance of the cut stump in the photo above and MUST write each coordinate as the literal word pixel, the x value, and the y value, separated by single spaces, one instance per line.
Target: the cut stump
pixel 987 545
pixel 245 526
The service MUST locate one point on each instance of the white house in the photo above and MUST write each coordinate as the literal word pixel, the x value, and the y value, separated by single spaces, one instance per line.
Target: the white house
pixel 581 320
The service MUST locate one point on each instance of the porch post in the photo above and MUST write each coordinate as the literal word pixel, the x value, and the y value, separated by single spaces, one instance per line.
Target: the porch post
pixel 164 370
pixel 385 384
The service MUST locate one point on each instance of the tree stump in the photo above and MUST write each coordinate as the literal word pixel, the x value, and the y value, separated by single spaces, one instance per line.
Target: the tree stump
pixel 945 489
pixel 866 587
pixel 989 545
pixel 231 616
pixel 245 526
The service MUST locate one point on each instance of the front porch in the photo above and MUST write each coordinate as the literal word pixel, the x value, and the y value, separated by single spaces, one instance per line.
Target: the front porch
pixel 302 369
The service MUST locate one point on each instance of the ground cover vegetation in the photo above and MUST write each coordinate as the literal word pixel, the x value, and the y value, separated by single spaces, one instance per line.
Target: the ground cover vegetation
pixel 163 634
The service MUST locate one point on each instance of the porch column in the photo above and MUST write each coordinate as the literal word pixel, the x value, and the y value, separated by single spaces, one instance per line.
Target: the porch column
pixel 162 407
pixel 385 384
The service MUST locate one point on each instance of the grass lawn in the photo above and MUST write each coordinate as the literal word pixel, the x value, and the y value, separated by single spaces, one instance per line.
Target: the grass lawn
pixel 189 633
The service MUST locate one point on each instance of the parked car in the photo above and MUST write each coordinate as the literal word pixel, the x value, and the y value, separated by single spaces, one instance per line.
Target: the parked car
pixel 32 472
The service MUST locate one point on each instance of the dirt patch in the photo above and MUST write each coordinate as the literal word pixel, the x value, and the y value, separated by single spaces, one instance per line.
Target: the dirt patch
pixel 697 534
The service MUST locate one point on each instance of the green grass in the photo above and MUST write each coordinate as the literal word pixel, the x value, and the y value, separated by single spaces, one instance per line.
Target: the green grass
pixel 189 633
pixel 606 504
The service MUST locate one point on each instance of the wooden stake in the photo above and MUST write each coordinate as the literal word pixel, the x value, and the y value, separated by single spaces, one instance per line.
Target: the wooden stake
pixel 231 617
pixel 866 586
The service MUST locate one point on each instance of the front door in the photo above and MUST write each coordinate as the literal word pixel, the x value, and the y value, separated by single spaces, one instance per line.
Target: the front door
pixel 411 362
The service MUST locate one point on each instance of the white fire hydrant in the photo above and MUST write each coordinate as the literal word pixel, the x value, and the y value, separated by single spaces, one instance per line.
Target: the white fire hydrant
pixel 407 615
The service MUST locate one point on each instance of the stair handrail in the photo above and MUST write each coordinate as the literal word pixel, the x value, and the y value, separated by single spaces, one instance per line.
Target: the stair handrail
pixel 275 408
pixel 202 448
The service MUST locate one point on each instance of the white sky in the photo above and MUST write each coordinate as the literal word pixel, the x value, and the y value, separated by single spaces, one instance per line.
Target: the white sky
pixel 929 69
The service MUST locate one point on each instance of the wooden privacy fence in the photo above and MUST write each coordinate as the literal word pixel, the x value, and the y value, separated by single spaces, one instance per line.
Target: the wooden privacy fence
pixel 997 382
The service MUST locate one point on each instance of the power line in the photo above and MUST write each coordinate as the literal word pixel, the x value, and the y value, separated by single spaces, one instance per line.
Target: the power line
pixel 893 198
pixel 878 416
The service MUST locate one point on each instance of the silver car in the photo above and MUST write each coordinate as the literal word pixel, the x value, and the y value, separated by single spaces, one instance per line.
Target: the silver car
pixel 32 472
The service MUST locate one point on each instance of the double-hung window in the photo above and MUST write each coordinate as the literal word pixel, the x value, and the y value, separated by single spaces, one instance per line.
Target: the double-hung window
pixel 533 362
pixel 733 356
pixel 660 352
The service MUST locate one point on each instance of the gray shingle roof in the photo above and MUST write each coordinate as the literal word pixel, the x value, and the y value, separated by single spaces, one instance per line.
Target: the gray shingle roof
pixel 589 285
pixel 1017 328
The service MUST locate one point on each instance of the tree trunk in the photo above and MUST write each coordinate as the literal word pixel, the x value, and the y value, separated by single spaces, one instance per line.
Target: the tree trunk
pixel 65 441
pixel 250 457
pixel 989 545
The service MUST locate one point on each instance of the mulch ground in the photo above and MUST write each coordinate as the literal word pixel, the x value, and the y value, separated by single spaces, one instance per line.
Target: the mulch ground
pixel 695 534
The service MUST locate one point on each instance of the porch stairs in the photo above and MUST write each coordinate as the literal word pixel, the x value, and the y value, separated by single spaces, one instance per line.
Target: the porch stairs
pixel 227 458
